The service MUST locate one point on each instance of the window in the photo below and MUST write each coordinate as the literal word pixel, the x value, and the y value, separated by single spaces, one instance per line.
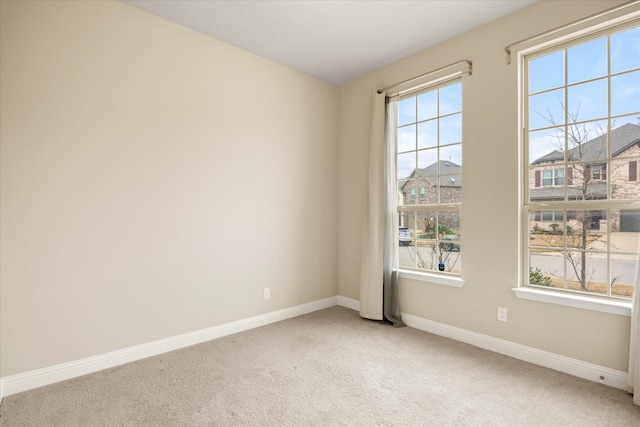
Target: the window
pixel 553 216
pixel 598 172
pixel 429 158
pixel 552 177
pixel 582 146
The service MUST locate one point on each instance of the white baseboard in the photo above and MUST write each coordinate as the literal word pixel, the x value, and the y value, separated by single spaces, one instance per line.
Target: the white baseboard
pixel 578 368
pixel 351 303
pixel 40 377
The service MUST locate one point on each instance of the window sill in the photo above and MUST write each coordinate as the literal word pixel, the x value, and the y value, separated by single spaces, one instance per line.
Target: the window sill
pixel 620 308
pixel 456 282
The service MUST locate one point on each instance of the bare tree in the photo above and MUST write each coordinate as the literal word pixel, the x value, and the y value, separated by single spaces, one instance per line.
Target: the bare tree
pixel 436 248
pixel 581 155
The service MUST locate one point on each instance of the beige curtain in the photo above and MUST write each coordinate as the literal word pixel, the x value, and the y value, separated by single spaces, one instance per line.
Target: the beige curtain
pixel 633 378
pixel 379 274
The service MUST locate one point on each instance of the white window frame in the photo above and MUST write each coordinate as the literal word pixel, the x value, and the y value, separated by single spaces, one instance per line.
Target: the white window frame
pixel 436 277
pixel 593 302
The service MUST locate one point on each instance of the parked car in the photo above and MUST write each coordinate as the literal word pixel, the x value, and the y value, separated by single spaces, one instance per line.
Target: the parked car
pixel 404 236
pixel 450 243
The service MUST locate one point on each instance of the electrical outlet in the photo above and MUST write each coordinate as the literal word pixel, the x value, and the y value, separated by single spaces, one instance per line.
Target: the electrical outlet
pixel 267 293
pixel 502 314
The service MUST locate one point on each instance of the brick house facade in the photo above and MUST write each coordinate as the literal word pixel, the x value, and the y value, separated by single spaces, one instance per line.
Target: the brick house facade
pixel 424 186
pixel 587 177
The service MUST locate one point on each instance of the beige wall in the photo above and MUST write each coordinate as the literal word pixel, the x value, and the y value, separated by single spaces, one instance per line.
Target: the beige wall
pixel 154 181
pixel 490 194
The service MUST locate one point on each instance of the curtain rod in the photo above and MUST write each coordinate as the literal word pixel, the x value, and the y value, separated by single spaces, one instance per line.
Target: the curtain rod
pixel 569 25
pixel 426 74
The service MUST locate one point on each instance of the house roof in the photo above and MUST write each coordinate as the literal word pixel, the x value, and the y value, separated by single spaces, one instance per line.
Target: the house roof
pixel 596 190
pixel 450 174
pixel 622 138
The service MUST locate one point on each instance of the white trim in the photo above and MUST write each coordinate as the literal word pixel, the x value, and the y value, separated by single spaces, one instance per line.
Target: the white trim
pixel 578 368
pixel 40 377
pixel 456 282
pixel 351 303
pixel 621 308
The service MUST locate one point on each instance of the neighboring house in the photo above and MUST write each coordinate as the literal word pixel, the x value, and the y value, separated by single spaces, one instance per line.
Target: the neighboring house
pixel 587 175
pixel 421 188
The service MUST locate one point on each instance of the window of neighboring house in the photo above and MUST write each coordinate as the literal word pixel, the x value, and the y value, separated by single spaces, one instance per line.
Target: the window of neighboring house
pixel 549 216
pixel 598 172
pixel 582 122
pixel 413 194
pixel 553 177
pixel 429 148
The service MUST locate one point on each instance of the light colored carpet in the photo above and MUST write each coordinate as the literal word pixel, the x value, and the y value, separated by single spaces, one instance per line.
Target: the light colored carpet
pixel 328 368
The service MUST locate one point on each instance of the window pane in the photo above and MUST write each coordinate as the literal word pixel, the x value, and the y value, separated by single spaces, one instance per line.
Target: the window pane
pixel 449 240
pixel 587 141
pixel 406 218
pixel 428 134
pixel 426 226
pixel 546 269
pixel 587 60
pixel 407 111
pixel 451 129
pixel 584 227
pixel 623 269
pixel 587 101
pixel 546 72
pixel 453 154
pixel 427 256
pixel 407 256
pixel 428 159
pixel 625 50
pixel 587 271
pixel 427 105
pixel 406 138
pixel 406 164
pixel 451 99
pixel 619 122
pixel 546 109
pixel 625 93
pixel 546 145
pixel 547 232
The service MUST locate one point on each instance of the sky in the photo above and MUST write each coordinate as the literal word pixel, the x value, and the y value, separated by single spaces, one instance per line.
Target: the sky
pixel 583 86
pixel 432 123
pixel 580 77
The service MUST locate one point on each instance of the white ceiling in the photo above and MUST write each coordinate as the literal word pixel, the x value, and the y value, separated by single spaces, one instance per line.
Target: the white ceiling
pixel 335 41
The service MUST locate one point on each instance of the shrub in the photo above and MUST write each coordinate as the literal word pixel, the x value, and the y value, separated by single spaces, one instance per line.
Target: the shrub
pixel 537 278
